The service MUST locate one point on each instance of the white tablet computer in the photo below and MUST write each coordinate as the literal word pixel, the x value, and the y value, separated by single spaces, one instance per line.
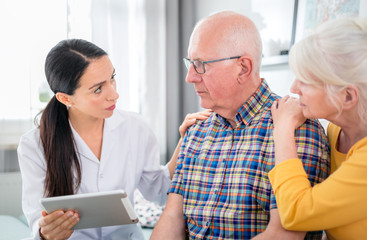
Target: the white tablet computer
pixel 95 209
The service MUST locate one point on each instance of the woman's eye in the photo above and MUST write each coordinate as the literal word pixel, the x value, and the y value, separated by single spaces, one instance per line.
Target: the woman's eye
pixel 98 90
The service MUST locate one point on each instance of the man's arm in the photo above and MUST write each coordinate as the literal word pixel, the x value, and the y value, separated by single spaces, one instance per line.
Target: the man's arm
pixel 171 224
pixel 275 230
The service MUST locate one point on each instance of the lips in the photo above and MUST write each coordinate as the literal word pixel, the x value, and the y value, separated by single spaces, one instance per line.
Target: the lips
pixel 111 108
pixel 198 92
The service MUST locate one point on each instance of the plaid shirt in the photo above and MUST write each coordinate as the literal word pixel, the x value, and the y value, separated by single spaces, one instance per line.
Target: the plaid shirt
pixel 222 172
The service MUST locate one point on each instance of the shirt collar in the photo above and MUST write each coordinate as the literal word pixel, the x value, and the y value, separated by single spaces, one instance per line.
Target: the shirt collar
pixel 114 121
pixel 251 107
pixel 110 124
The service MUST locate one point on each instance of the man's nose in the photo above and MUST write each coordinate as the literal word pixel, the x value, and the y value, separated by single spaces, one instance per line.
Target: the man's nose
pixel 192 76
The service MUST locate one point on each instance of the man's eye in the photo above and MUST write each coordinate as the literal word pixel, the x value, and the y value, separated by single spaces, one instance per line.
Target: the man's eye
pixel 198 64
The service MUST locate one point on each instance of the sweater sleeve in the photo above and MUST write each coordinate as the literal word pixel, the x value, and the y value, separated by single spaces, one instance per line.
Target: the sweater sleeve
pixel 339 200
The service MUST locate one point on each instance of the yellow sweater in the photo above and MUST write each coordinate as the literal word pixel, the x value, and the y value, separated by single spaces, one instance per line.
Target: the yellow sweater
pixel 338 205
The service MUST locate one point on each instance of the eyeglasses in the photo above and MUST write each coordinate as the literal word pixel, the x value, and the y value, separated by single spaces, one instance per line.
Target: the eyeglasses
pixel 199 66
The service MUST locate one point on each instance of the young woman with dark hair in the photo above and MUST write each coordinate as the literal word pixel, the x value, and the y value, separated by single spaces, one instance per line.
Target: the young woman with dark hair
pixel 84 145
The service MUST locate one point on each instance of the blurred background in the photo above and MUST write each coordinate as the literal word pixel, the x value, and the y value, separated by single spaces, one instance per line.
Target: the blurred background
pixel 146 41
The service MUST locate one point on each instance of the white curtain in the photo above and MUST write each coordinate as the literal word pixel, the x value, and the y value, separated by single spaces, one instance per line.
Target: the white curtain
pixel 133 32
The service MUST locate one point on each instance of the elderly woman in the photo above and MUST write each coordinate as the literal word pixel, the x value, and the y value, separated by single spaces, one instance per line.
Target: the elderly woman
pixel 331 80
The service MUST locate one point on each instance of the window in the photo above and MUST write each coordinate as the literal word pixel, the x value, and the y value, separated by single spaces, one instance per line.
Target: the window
pixel 30 29
pixel 131 31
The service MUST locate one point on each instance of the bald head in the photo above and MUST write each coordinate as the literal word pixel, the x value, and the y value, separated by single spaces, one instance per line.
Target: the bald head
pixel 227 34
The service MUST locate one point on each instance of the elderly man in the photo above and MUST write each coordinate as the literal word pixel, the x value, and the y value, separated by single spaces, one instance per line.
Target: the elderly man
pixel 220 189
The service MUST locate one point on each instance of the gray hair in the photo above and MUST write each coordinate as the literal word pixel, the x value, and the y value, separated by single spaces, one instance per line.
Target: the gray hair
pixel 335 57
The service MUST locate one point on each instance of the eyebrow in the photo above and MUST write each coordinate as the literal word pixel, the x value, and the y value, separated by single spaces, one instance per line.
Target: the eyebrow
pixel 100 83
pixel 97 84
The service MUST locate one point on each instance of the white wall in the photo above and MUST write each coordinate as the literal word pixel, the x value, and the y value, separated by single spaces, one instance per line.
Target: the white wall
pixel 279 78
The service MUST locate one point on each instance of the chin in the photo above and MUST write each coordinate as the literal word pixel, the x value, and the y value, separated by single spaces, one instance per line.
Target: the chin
pixel 308 115
pixel 108 115
pixel 206 105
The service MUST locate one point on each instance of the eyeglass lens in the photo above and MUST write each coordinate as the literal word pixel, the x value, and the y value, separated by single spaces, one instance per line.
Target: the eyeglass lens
pixel 198 65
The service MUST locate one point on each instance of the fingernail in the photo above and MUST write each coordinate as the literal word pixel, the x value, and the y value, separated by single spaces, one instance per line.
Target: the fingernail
pixel 69 214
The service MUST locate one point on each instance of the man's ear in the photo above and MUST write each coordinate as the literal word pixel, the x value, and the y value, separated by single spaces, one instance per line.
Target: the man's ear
pixel 247 66
pixel 351 97
pixel 63 98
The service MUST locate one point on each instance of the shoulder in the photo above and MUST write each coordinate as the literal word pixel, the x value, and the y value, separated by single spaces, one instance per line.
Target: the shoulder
pixel 200 127
pixel 359 148
pixel 132 119
pixel 313 149
pixel 127 115
pixel 30 137
pixel 30 147
pixel 129 123
pixel 312 129
pixel 262 119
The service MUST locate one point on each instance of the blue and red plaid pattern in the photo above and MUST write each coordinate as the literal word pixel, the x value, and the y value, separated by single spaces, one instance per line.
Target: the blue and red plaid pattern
pixel 222 172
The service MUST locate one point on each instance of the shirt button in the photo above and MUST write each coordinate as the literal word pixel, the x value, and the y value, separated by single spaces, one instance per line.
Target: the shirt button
pixel 207 224
pixel 101 175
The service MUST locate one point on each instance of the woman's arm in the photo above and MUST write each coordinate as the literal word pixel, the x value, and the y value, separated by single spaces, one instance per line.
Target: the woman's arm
pixel 287 116
pixel 275 230
pixel 337 201
pixel 155 179
pixel 33 170
pixel 189 120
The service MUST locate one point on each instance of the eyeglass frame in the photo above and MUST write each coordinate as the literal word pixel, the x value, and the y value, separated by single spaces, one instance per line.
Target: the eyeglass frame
pixel 205 62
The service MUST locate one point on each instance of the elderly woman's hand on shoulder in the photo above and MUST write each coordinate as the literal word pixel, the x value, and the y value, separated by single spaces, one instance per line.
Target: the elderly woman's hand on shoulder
pixel 287 112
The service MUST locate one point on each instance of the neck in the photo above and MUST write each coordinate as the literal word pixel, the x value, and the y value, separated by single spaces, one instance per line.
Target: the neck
pixel 86 124
pixel 352 130
pixel 229 115
pixel 250 86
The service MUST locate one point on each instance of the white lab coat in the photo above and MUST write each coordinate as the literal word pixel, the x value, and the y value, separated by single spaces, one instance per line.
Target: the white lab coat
pixel 129 160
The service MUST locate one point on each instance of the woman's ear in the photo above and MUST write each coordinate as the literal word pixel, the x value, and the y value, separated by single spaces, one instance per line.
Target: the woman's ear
pixel 351 97
pixel 63 98
pixel 247 65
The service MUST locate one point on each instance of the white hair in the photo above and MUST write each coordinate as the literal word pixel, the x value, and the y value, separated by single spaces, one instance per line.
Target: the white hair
pixel 334 56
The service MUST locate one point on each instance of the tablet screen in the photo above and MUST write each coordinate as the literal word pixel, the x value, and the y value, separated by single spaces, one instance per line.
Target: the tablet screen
pixel 95 209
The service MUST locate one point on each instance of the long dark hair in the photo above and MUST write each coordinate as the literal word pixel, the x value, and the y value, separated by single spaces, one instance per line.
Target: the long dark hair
pixel 65 64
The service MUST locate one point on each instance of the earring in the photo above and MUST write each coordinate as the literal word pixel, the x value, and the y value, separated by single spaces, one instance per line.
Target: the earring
pixel 69 105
